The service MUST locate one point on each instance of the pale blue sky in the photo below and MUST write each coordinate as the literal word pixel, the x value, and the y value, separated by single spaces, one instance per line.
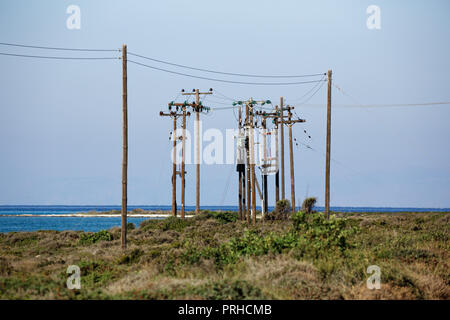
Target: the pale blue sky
pixel 60 121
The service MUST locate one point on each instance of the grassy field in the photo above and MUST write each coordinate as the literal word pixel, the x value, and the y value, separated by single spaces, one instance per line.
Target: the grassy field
pixel 215 256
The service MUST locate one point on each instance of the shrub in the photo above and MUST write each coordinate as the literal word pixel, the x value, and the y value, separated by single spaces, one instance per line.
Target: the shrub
pixel 132 257
pixel 174 223
pixel 311 234
pixel 225 217
pixel 308 204
pixel 281 212
pixel 227 289
pixel 321 232
pixel 89 238
pixel 130 226
pixel 149 224
pixel 221 216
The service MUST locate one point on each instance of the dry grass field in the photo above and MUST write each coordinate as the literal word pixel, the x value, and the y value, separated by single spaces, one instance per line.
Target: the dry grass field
pixel 216 256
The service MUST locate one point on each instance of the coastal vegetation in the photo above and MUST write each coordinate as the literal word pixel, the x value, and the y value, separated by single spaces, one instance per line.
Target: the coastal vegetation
pixel 216 256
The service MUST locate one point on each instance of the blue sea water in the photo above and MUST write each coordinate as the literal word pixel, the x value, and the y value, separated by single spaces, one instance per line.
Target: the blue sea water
pixel 13 218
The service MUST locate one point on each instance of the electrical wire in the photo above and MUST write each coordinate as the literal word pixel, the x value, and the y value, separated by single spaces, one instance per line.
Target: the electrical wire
pixel 55 48
pixel 226 73
pixel 221 80
pixel 58 58
pixel 310 97
pixel 309 91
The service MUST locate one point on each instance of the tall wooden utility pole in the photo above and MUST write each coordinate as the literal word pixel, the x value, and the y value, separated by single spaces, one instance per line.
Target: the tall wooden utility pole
pixel 290 122
pixel 291 161
pixel 247 151
pixel 327 166
pixel 282 147
pixel 197 110
pixel 277 174
pixel 125 147
pixel 182 171
pixel 264 172
pixel 174 116
pixel 174 165
pixel 183 155
pixel 240 168
pixel 252 165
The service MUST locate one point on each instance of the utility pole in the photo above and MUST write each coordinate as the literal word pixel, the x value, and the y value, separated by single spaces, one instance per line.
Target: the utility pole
pixel 291 162
pixel 183 146
pixel 290 122
pixel 277 174
pixel 250 155
pixel 240 167
pixel 252 167
pixel 264 173
pixel 327 165
pixel 276 116
pixel 125 147
pixel 174 116
pixel 247 147
pixel 282 147
pixel 174 165
pixel 182 172
pixel 196 109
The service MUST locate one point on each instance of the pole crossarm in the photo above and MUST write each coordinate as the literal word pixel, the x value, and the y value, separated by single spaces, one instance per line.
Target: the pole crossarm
pixel 173 114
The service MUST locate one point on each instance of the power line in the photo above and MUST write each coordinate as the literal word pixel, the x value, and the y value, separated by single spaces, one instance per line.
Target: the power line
pixel 60 58
pixel 381 105
pixel 310 97
pixel 226 73
pixel 308 92
pixel 358 104
pixel 221 80
pixel 55 48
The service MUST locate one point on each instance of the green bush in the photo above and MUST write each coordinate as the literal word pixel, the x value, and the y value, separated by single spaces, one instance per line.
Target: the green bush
pixel 174 223
pixel 281 212
pixel 132 257
pixel 225 217
pixel 234 290
pixel 89 238
pixel 308 204
pixel 321 232
pixel 149 224
pixel 95 273
pixel 311 234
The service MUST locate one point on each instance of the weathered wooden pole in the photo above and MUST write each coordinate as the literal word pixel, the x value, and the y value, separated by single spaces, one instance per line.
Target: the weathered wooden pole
pixel 327 165
pixel 174 166
pixel 264 171
pixel 277 174
pixel 239 165
pixel 197 151
pixel 291 161
pixel 252 159
pixel 247 146
pixel 124 148
pixel 183 145
pixel 282 147
pixel 197 109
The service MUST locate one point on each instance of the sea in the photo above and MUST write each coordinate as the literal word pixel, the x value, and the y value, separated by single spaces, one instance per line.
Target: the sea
pixel 14 218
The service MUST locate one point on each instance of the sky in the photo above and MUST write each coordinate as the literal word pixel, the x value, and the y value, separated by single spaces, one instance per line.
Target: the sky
pixel 61 120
